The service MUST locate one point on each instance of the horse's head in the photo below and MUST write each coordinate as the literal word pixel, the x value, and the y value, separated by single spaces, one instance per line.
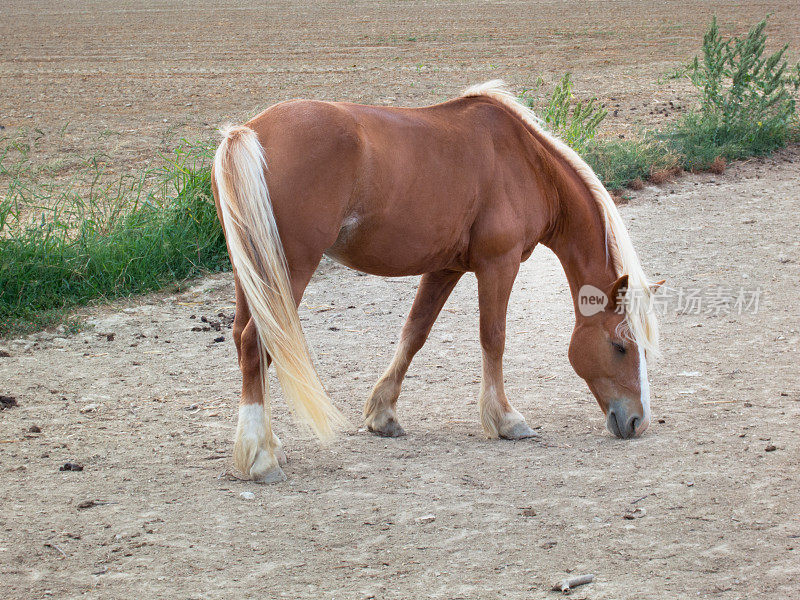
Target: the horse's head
pixel 603 353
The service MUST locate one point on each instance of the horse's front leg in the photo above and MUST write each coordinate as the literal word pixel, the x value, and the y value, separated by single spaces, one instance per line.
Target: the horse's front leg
pixel 257 451
pixel 433 291
pixel 498 417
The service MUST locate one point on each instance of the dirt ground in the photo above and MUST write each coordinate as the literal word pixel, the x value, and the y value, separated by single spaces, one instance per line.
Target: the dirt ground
pixel 130 77
pixel 144 398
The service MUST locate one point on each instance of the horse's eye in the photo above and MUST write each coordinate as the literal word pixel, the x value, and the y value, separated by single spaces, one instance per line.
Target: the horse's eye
pixel 618 347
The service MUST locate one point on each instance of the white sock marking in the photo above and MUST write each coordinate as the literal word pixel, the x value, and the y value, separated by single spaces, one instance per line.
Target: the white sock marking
pixel 253 421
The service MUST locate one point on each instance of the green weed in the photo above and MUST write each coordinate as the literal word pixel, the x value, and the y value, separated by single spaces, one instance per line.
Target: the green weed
pixel 747 106
pixel 575 123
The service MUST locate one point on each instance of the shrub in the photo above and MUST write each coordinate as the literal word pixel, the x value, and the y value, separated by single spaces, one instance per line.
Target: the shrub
pixel 747 100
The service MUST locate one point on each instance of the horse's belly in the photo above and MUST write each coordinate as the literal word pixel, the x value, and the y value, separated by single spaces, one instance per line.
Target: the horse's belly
pixel 393 251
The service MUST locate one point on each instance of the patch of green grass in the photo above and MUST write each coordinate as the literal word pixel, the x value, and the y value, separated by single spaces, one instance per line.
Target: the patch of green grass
pixel 70 243
pixel 620 162
pixel 616 162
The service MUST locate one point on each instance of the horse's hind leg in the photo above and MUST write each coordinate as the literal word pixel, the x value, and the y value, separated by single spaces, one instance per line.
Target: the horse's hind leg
pixel 433 291
pixel 257 451
pixel 498 417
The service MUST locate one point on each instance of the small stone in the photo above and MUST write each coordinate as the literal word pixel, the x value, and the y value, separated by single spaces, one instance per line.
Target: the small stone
pixel 8 402
pixel 69 466
pixel 34 429
pixel 424 519
pixel 219 339
pixel 90 408
pixel 636 513
pixel 247 495
pixel 770 448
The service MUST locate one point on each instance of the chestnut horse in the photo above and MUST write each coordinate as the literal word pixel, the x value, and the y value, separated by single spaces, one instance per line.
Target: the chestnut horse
pixel 472 184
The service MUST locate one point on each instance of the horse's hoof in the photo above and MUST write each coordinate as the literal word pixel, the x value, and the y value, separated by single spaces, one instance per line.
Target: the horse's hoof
pixel 518 431
pixel 275 475
pixel 281 456
pixel 266 467
pixel 389 429
pixel 383 423
pixel 278 451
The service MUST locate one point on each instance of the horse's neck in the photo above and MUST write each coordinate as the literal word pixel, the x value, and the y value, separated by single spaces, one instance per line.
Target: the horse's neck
pixel 578 235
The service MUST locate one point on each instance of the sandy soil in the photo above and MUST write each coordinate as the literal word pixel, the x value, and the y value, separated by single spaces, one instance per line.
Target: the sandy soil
pixel 150 413
pixel 144 399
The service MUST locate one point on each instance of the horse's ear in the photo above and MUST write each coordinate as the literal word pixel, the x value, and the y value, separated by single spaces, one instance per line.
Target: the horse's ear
pixel 617 291
pixel 654 286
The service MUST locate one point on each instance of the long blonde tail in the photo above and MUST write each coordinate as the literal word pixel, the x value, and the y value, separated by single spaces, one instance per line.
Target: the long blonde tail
pixel 260 263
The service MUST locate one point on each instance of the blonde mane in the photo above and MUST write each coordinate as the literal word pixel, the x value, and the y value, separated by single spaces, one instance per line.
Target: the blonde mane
pixel 640 315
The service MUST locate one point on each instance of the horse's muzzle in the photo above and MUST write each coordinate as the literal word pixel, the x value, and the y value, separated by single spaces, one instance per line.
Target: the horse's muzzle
pixel 623 423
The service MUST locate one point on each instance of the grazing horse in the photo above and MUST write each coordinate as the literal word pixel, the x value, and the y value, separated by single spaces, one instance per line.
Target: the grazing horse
pixel 472 184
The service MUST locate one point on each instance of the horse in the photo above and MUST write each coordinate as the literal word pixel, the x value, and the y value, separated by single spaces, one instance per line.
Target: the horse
pixel 472 184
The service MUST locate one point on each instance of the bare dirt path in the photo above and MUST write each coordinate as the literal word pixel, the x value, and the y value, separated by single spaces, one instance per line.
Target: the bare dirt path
pixel 146 404
pixel 150 414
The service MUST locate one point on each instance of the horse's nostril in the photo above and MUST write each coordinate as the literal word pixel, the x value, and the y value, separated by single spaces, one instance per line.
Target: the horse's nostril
pixel 634 425
pixel 613 424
